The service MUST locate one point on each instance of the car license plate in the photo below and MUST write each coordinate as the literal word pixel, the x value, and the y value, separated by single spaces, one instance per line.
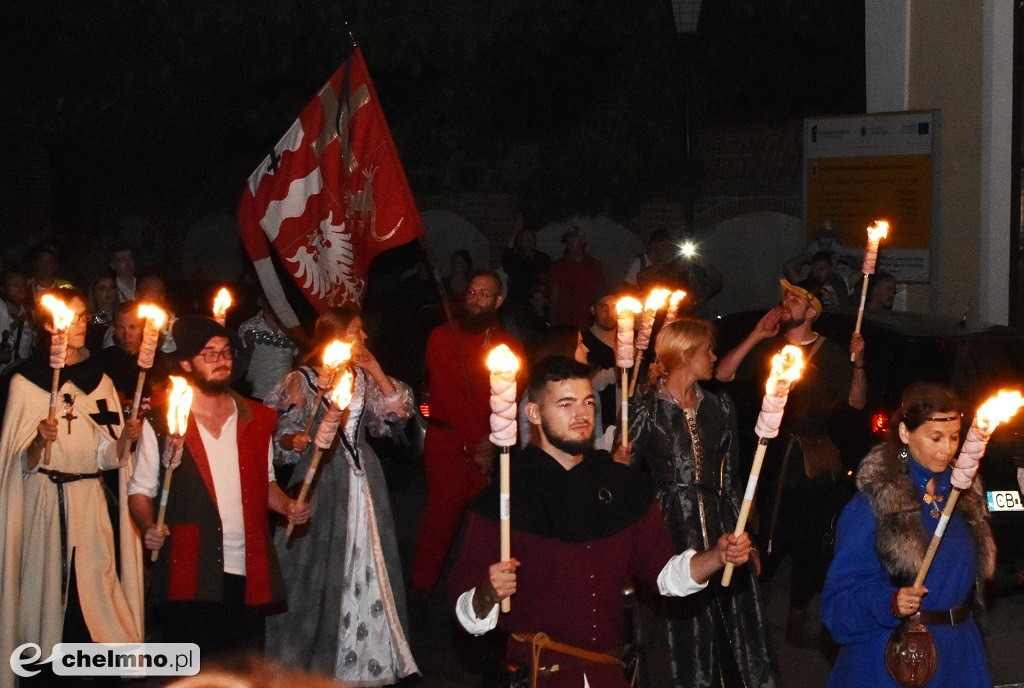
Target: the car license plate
pixel 1004 500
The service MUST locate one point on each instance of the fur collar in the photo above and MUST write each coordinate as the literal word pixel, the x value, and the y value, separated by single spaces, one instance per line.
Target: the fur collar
pixel 901 541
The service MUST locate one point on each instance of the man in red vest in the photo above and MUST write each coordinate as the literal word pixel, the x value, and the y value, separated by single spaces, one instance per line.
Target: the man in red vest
pixel 218 572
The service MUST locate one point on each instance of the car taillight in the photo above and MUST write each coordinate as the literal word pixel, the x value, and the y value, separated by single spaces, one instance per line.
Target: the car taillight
pixel 879 422
pixel 425 410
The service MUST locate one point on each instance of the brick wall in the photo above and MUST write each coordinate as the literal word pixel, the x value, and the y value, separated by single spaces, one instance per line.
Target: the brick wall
pixel 748 168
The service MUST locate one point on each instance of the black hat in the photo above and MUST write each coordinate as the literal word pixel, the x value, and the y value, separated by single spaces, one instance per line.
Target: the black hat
pixel 193 332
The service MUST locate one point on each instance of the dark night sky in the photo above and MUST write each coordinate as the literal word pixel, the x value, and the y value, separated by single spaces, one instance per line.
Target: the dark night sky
pixel 166 107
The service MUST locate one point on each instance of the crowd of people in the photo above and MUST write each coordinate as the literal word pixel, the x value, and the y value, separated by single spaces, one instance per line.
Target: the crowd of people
pixel 617 541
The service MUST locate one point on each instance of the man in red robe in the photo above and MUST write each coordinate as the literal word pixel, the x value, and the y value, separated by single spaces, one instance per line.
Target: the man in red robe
pixel 456 446
pixel 584 528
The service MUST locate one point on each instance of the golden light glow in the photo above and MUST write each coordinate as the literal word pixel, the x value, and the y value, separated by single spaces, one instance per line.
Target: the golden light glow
pixel 62 315
pixel 999 409
pixel 877 231
pixel 153 314
pixel 501 360
pixel 657 299
pixel 221 303
pixel 628 303
pixel 675 299
pixel 341 395
pixel 179 403
pixel 336 353
pixel 786 365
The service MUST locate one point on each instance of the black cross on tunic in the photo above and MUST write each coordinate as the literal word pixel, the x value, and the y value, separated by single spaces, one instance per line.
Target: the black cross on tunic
pixel 105 417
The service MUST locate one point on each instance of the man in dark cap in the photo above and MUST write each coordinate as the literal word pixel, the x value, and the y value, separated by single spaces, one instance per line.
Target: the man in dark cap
pixel 218 573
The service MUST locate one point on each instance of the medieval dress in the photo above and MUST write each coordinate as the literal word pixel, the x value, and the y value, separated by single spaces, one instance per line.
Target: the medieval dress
pixel 52 533
pixel 583 535
pixel 346 602
pixel 693 459
pixel 872 562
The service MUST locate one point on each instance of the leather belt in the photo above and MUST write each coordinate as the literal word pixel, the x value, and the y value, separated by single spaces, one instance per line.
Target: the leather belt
pixel 60 478
pixel 943 617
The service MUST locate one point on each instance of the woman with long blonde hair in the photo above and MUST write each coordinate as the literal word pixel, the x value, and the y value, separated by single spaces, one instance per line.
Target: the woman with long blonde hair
pixel 685 436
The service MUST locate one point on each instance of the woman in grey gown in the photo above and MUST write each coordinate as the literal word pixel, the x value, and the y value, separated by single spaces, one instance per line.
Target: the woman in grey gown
pixel 685 436
pixel 346 600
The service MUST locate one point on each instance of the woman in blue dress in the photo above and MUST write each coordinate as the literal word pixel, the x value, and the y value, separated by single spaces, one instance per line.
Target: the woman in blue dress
pixel 883 534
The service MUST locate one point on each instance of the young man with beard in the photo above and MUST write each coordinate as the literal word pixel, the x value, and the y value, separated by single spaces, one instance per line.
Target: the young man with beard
pixel 808 491
pixel 219 571
pixel 455 449
pixel 583 527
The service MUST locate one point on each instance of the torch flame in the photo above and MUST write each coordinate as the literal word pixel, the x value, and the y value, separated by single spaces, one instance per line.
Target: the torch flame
pixel 336 353
pixel 341 395
pixel 154 314
pixel 657 299
pixel 999 409
pixel 221 303
pixel 878 230
pixel 62 315
pixel 502 360
pixel 628 303
pixel 675 299
pixel 179 403
pixel 786 365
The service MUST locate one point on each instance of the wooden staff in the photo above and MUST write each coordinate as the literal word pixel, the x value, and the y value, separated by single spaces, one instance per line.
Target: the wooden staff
pixel 179 404
pixel 63 317
pixel 876 232
pixel 626 309
pixel 786 368
pixel 341 396
pixel 154 318
pixel 54 390
pixel 171 447
pixel 503 365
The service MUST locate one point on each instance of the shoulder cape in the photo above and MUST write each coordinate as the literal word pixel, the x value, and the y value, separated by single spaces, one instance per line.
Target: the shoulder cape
pixel 596 499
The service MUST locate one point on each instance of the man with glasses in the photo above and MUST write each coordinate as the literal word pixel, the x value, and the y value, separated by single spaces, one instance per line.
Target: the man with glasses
pixel 218 571
pixel 455 449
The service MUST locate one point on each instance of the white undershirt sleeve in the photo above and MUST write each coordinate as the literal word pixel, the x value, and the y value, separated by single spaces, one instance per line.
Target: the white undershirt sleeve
pixel 675 581
pixel 467 617
pixel 147 464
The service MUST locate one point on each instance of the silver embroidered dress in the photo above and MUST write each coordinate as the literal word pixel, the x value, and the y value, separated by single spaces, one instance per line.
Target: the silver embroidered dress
pixel 346 599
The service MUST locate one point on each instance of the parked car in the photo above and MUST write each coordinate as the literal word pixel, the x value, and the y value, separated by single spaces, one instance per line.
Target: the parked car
pixel 902 348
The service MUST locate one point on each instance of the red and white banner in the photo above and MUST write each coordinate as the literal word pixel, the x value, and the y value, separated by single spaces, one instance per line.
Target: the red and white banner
pixel 330 198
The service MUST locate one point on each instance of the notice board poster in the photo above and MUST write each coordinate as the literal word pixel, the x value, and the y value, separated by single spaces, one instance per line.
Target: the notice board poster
pixel 870 167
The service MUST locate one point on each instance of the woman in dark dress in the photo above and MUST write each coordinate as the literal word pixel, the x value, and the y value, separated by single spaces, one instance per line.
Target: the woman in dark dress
pixel 685 436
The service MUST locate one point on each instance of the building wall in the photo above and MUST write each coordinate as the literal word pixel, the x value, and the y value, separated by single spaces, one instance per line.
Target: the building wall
pixel 945 73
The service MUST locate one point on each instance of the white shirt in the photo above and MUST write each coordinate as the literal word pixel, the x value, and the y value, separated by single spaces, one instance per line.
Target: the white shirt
pixel 635 266
pixel 18 338
pixel 222 453
pixel 673 581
